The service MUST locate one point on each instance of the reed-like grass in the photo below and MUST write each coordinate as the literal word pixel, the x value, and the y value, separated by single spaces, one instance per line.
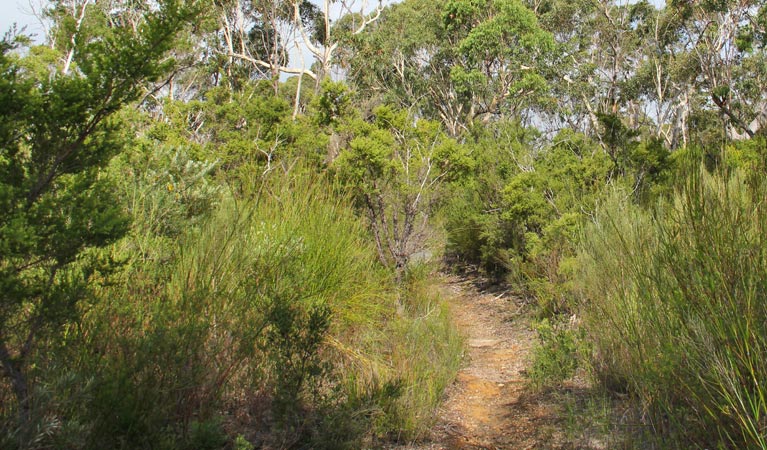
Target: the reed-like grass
pixel 675 302
pixel 273 321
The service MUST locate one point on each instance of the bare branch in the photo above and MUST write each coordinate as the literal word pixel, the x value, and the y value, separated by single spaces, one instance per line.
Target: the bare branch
pixel 282 69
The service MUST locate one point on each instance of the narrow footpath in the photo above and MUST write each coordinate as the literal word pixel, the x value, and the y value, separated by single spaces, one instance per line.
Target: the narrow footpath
pixel 491 405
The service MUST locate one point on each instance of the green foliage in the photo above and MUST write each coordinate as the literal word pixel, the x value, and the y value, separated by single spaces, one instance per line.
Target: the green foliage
pixel 501 45
pixel 458 62
pixel 293 343
pixel 618 139
pixel 166 193
pixel 476 232
pixel 420 353
pixel 396 169
pixel 240 443
pixel 653 168
pixel 556 357
pixel 246 306
pixel 332 104
pixel 385 63
pixel 179 274
pixel 274 307
pixel 673 304
pixel 519 214
pixel 58 131
pixel 748 156
pixel 206 436
pixel 428 336
pixel 244 130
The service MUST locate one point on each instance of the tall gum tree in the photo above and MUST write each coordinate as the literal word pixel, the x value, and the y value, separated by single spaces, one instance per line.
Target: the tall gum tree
pixel 727 41
pixel 352 18
pixel 459 61
pixel 404 59
pixel 499 57
pixel 265 33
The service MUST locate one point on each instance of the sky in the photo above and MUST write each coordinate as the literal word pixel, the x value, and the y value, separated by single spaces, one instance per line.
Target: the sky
pixel 20 12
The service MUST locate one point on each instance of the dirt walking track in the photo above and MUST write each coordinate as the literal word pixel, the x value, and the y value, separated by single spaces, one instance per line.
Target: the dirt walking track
pixel 491 405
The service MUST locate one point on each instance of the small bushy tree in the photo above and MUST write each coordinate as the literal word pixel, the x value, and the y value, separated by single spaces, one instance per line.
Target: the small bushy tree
pixel 396 168
pixel 57 130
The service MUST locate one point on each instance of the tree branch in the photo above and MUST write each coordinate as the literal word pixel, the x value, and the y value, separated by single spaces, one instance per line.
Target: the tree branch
pixel 282 69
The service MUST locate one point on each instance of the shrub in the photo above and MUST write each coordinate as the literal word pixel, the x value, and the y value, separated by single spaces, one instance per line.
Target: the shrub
pixel 675 307
pixel 556 356
pixel 274 318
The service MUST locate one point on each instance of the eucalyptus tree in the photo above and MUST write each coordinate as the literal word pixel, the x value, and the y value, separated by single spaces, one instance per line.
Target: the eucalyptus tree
pixel 261 34
pixel 399 59
pixel 352 18
pixel 601 60
pixel 500 54
pixel 727 40
pixel 458 61
pixel 665 80
pixel 264 33
pixel 571 75
pixel 629 61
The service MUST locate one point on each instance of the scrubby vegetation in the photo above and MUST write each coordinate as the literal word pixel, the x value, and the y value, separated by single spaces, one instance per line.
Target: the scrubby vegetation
pixel 205 244
pixel 674 307
pixel 169 285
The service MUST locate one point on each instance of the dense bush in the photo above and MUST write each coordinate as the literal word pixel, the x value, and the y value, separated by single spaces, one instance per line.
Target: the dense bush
pixel 197 254
pixel 273 321
pixel 517 216
pixel 556 357
pixel 674 305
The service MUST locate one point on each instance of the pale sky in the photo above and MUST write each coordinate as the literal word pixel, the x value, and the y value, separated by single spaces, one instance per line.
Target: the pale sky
pixel 20 12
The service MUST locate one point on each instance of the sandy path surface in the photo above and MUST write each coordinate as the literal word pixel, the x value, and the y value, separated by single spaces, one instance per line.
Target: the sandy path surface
pixel 490 405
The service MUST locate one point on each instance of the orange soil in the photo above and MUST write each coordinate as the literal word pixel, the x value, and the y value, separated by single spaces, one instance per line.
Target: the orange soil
pixel 490 405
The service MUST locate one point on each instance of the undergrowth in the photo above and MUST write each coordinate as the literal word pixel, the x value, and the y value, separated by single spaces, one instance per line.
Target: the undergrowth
pixel 674 304
pixel 272 325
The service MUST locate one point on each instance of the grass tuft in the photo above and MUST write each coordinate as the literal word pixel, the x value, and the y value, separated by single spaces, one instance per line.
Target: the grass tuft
pixel 676 307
